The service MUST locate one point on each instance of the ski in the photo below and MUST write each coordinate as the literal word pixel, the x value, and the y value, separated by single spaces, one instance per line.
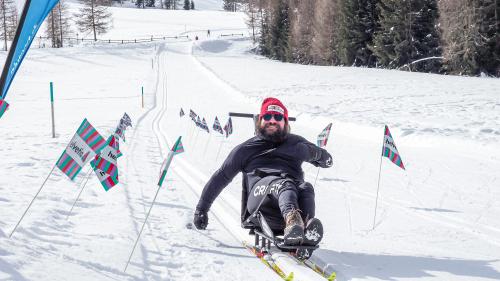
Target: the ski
pixel 307 263
pixel 267 259
pixel 328 276
pixel 265 237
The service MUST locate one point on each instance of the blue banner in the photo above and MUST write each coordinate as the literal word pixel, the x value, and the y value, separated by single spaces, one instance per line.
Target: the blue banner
pixel 34 13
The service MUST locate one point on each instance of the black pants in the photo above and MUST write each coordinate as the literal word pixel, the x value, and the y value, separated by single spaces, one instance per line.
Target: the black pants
pixel 281 196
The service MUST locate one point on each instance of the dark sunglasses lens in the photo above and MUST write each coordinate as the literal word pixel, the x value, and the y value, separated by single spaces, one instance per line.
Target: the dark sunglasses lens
pixel 267 117
pixel 278 117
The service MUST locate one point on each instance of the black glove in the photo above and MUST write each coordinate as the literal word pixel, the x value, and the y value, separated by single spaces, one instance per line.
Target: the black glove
pixel 200 219
pixel 325 160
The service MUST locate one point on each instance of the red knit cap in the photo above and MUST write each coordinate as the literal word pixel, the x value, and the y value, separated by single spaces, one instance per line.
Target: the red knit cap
pixel 273 105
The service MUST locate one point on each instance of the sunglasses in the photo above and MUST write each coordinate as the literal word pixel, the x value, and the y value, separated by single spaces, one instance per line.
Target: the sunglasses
pixel 277 117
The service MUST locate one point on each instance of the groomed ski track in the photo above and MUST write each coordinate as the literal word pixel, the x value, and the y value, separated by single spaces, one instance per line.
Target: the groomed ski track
pixel 165 105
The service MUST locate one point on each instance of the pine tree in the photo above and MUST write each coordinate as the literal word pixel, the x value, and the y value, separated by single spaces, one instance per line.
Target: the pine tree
pixel 171 4
pixel 8 12
pixel 425 37
pixel 408 33
pixel 150 3
pixel 488 13
pixel 93 17
pixel 264 39
pixel 192 5
pixel 229 5
pixel 186 5
pixel 140 3
pixel 392 42
pixel 168 4
pixel 279 31
pixel 356 25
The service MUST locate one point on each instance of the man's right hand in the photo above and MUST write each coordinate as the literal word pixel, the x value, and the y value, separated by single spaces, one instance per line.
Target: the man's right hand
pixel 325 160
pixel 200 219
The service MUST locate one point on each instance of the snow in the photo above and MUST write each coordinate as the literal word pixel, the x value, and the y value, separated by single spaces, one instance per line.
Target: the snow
pixel 438 220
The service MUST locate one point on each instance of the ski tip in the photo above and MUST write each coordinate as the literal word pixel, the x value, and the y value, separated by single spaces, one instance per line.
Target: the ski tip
pixel 332 276
pixel 289 277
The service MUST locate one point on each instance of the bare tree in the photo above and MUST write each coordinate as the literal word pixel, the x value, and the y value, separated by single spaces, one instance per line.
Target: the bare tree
pixel 8 11
pixel 94 17
pixel 58 25
pixel 324 28
pixel 469 33
pixel 301 29
pixel 253 10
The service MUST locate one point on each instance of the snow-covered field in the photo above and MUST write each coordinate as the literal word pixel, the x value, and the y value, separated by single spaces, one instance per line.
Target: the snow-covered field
pixel 438 220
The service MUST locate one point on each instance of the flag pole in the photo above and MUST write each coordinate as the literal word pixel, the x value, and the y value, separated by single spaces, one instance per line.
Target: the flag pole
pixel 32 200
pixel 52 109
pixel 142 96
pixel 81 190
pixel 378 187
pixel 317 174
pixel 206 145
pixel 191 135
pixel 378 184
pixel 196 138
pixel 218 151
pixel 142 228
pixel 160 182
pixel 81 182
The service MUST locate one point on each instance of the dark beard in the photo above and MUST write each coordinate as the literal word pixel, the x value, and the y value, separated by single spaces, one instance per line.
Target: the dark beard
pixel 278 136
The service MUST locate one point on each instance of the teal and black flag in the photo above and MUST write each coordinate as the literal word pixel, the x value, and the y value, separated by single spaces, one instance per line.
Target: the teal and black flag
pixel 389 149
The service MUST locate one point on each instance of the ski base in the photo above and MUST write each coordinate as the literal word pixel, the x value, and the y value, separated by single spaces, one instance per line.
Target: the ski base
pixel 267 259
pixel 265 239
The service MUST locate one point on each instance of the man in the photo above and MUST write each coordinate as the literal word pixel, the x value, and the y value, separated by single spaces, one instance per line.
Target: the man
pixel 273 179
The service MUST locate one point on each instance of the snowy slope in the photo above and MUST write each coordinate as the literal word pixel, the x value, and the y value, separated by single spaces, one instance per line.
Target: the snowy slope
pixel 436 221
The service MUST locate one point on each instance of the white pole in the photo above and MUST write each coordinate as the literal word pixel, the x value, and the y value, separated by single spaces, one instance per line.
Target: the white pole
pixel 52 110
pixel 88 170
pixel 142 228
pixel 206 145
pixel 191 133
pixel 378 184
pixel 378 187
pixel 32 200
pixel 218 151
pixel 78 197
pixel 196 139
pixel 317 174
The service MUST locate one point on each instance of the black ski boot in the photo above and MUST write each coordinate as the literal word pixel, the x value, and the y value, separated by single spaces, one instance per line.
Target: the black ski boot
pixel 313 233
pixel 294 230
pixel 312 236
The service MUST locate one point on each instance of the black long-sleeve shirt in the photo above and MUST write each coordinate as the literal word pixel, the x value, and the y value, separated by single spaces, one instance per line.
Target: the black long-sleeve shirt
pixel 257 152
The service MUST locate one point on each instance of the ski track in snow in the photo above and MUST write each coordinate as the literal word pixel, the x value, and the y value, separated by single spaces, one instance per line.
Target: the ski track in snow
pixel 436 221
pixel 197 270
